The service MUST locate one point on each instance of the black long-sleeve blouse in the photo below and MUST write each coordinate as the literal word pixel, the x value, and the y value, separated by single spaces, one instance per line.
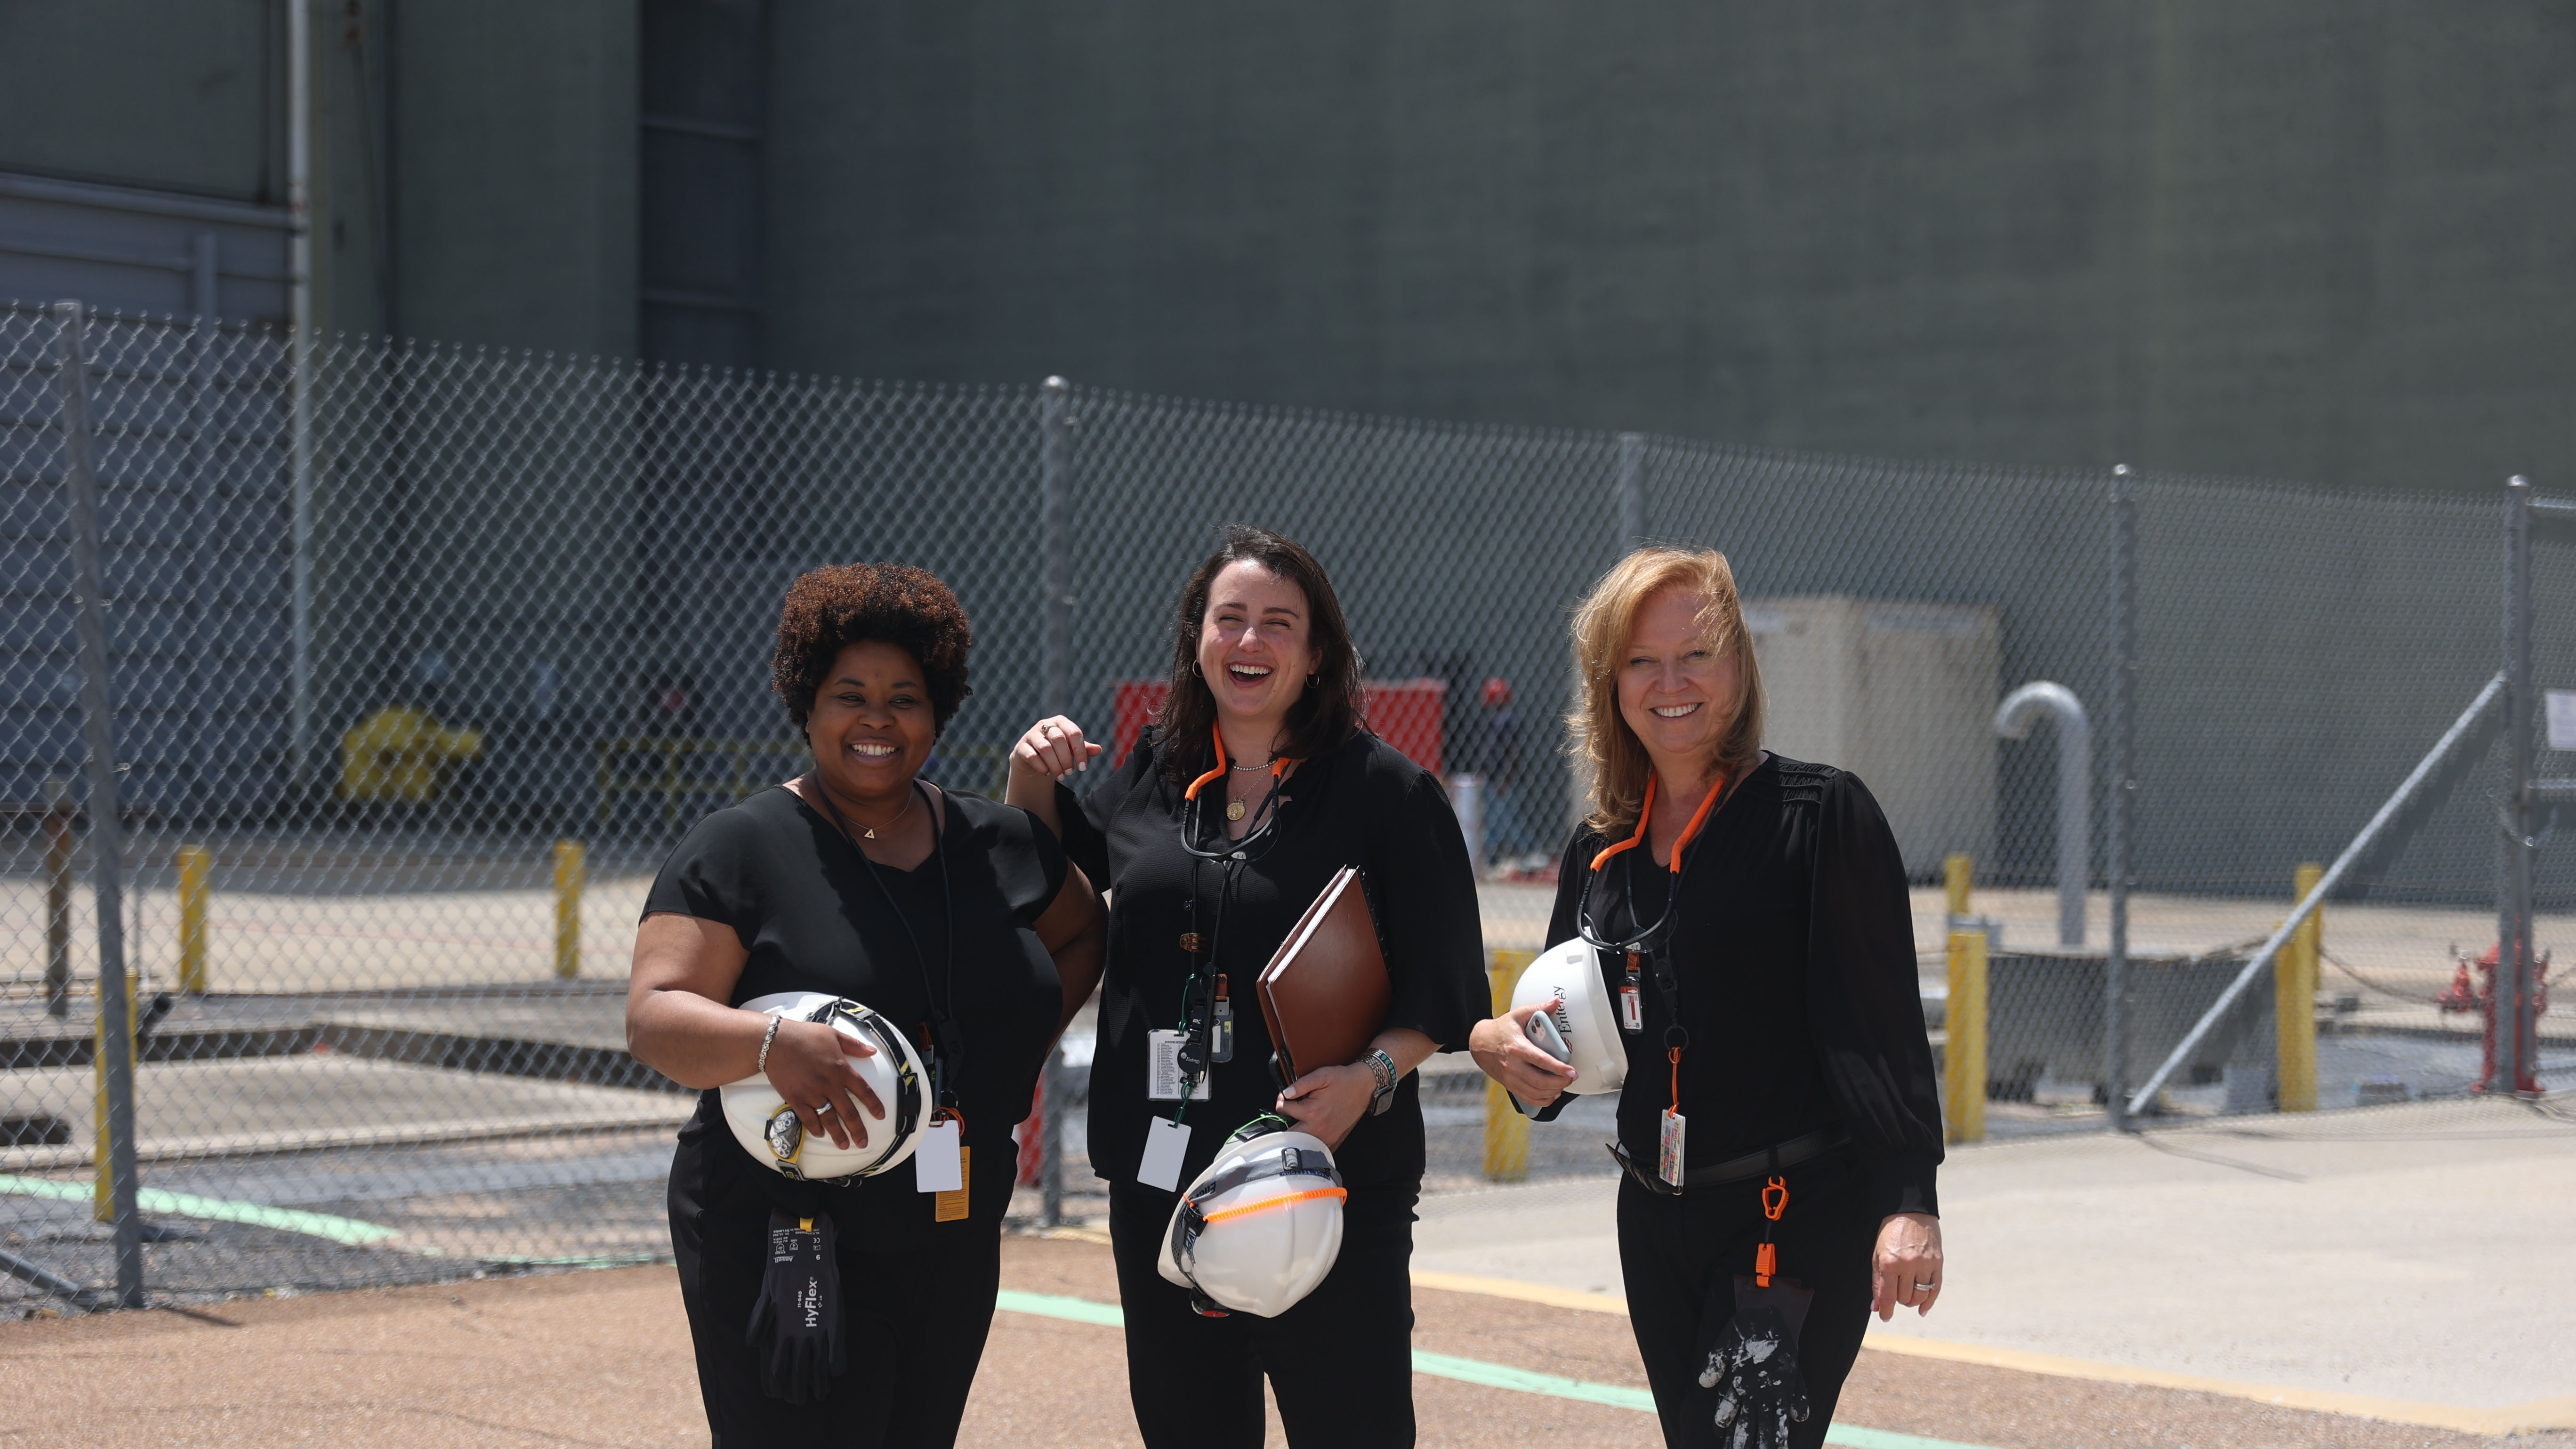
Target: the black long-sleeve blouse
pixel 1363 805
pixel 1793 944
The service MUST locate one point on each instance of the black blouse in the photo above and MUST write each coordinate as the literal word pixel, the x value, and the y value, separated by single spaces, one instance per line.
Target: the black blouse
pixel 1793 941
pixel 1363 805
pixel 797 894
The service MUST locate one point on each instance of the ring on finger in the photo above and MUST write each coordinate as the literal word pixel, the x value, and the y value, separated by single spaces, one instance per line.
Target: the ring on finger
pixel 1925 1287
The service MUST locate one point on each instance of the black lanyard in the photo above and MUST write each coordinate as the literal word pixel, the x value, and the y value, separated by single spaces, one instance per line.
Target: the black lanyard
pixel 1198 992
pixel 948 1057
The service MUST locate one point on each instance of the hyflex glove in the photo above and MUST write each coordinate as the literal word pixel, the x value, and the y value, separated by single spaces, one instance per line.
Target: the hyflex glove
pixel 1754 1367
pixel 797 1321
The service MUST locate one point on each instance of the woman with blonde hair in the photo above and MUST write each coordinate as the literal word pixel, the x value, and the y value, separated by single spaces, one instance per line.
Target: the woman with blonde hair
pixel 1779 1126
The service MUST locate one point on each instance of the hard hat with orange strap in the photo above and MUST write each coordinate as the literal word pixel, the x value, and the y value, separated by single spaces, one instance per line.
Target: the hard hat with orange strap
pixel 1261 1226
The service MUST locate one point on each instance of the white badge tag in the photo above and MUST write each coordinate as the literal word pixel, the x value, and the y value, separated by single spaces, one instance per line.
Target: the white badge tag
pixel 1165 1142
pixel 1163 1080
pixel 1668 1162
pixel 935 1164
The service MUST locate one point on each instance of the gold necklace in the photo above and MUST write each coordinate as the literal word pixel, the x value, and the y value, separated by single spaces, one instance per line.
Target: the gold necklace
pixel 871 832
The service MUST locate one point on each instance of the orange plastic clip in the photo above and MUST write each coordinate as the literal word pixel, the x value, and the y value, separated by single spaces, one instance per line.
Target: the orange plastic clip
pixel 1775 1198
pixel 1766 1261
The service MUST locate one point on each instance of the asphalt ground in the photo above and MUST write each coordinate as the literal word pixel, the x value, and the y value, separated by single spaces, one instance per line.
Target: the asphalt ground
pixel 602 1358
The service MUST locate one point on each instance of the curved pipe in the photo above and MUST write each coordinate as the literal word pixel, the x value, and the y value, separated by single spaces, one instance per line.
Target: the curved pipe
pixel 2074 790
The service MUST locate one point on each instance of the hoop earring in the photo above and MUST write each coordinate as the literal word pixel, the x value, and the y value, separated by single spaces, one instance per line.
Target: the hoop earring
pixel 1195 671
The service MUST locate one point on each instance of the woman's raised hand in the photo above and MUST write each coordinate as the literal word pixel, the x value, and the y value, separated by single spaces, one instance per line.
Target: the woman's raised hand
pixel 1501 1045
pixel 809 1065
pixel 1053 748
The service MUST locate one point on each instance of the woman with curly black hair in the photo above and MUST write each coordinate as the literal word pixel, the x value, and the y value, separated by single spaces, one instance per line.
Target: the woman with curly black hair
pixel 956 918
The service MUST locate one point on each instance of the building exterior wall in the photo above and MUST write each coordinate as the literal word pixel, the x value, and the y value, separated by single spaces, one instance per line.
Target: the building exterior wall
pixel 2308 240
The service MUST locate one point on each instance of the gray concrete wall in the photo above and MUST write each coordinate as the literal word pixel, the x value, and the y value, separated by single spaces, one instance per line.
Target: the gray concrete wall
pixel 2309 239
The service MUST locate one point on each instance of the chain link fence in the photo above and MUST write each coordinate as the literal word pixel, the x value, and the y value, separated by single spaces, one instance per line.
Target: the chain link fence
pixel 415 671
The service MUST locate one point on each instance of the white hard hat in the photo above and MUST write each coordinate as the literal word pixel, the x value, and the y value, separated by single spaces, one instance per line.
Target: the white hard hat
pixel 768 1128
pixel 1566 978
pixel 1261 1227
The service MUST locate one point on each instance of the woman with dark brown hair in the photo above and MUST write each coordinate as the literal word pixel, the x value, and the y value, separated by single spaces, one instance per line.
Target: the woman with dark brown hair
pixel 1258 781
pixel 1778 1125
pixel 955 918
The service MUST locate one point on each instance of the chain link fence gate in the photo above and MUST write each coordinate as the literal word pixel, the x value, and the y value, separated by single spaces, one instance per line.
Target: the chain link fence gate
pixel 408 704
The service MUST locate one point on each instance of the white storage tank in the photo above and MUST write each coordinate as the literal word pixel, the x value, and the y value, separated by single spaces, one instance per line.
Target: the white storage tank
pixel 1901 694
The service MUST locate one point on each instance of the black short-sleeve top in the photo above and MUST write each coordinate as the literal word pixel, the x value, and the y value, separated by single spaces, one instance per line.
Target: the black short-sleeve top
pixel 1793 942
pixel 1362 805
pixel 797 894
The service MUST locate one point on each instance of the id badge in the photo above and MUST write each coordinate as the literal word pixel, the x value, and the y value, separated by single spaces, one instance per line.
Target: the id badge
pixel 939 1164
pixel 1165 1142
pixel 1668 1159
pixel 950 1207
pixel 1163 1079
pixel 1632 1008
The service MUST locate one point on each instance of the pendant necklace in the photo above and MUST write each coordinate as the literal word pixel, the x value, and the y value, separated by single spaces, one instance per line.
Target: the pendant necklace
pixel 869 832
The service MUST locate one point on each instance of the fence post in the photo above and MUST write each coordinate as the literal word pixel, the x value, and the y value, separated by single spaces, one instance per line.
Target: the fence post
pixel 2294 999
pixel 58 896
pixel 1055 673
pixel 1963 1059
pixel 2124 790
pixel 106 826
pixel 1506 1130
pixel 2508 1023
pixel 572 869
pixel 1632 491
pixel 196 865
pixel 1959 880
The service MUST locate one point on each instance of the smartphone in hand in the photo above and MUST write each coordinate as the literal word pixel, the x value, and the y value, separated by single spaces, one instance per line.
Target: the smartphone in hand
pixel 1544 1035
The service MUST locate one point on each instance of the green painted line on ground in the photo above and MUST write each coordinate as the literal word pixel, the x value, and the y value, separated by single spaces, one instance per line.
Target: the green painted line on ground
pixel 348 1232
pixel 1483 1374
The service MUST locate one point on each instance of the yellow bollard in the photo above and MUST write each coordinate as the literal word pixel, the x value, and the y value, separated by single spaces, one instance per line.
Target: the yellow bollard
pixel 570 869
pixel 1506 1130
pixel 1963 1061
pixel 195 865
pixel 2294 998
pixel 1959 874
pixel 102 1189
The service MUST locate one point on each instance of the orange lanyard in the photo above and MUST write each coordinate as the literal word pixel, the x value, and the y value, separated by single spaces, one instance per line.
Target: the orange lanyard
pixel 1278 767
pixel 1645 817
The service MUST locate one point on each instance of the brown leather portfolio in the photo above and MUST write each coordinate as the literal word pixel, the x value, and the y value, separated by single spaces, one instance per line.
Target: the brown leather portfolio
pixel 1325 991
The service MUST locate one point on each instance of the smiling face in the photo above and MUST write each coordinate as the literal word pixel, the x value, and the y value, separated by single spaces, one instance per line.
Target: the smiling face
pixel 872 723
pixel 1676 692
pixel 1254 649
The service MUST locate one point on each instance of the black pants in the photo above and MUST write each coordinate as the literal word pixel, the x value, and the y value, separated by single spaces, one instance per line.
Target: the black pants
pixel 1340 1362
pixel 914 1314
pixel 1679 1257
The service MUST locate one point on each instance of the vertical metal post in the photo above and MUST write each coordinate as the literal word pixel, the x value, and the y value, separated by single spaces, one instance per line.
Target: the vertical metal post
pixel 1632 490
pixel 196 873
pixel 1055 499
pixel 202 553
pixel 572 869
pixel 106 828
pixel 1963 1028
pixel 59 830
pixel 299 307
pixel 2124 791
pixel 2507 1022
pixel 1506 1130
pixel 2294 1000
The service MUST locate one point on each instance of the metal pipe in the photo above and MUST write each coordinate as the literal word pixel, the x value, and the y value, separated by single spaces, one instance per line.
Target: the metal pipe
pixel 299 320
pixel 2326 885
pixel 2124 790
pixel 106 828
pixel 2074 790
pixel 203 590
pixel 1055 499
pixel 2512 1059
pixel 1632 491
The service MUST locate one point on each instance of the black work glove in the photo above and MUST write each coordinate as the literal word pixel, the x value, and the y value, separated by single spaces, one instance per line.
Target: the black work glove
pixel 797 1320
pixel 1754 1367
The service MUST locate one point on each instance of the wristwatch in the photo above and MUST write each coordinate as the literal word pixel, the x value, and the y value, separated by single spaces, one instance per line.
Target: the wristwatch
pixel 1382 1067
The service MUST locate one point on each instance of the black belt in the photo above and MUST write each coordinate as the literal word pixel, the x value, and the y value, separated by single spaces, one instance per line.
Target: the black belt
pixel 1759 1163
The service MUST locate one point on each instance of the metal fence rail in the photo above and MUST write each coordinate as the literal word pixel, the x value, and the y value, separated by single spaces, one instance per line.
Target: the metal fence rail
pixel 402 693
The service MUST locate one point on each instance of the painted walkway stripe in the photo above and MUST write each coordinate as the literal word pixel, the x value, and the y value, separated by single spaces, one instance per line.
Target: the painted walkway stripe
pixel 1480 1373
pixel 348 1232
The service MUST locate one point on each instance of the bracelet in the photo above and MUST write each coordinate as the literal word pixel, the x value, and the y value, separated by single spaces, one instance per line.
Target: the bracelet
pixel 766 1038
pixel 1382 1067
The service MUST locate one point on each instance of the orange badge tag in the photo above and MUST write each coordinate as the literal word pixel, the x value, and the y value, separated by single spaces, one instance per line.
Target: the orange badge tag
pixel 950 1206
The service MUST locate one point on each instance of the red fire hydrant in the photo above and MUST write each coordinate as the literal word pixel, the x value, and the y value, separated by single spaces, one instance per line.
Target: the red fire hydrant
pixel 2468 994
